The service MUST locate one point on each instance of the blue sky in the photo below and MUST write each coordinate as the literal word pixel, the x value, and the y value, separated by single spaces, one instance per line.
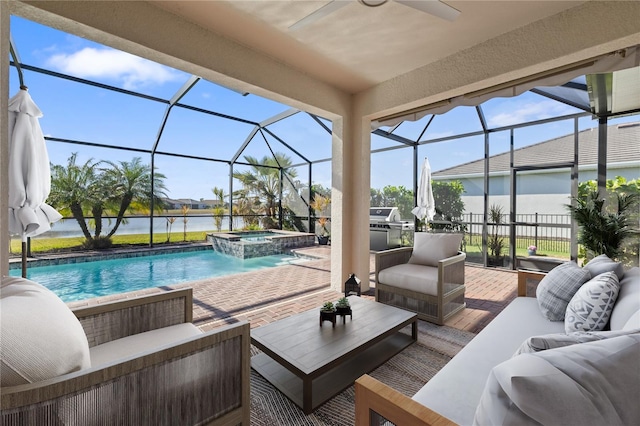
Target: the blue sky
pixel 84 113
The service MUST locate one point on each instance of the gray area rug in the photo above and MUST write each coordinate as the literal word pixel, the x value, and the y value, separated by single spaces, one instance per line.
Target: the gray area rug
pixel 407 372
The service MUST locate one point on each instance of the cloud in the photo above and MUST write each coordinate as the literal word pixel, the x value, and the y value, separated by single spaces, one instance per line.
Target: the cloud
pixel 130 71
pixel 528 112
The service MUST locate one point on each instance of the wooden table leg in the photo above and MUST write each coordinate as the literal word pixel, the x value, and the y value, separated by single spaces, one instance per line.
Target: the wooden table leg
pixel 414 330
pixel 307 395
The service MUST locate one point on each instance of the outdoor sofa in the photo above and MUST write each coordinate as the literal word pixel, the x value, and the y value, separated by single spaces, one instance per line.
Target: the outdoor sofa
pixel 526 369
pixel 139 361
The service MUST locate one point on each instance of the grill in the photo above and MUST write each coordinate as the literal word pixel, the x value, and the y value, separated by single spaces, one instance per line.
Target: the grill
pixel 385 228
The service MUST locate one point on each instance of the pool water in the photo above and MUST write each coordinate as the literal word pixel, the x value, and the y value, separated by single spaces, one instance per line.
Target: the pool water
pixel 78 281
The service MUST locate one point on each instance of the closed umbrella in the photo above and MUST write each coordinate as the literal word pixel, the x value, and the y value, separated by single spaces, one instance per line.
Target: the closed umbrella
pixel 29 173
pixel 426 206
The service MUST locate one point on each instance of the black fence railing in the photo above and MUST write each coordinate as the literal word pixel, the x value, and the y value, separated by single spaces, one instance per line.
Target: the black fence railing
pixel 549 233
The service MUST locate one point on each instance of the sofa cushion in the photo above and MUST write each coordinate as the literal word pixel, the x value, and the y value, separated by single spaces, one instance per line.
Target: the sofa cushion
pixel 601 264
pixel 591 306
pixel 558 287
pixel 628 303
pixel 135 344
pixel 420 278
pixel 559 340
pixel 455 391
pixel 586 384
pixel 40 337
pixel 429 248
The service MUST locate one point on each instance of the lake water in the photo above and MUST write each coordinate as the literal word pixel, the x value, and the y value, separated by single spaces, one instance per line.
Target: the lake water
pixel 139 225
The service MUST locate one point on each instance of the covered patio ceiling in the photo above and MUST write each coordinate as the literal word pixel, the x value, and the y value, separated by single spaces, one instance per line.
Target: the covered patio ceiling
pixel 357 47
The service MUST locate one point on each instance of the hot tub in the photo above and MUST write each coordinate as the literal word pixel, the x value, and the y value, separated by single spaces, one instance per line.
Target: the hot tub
pixel 249 244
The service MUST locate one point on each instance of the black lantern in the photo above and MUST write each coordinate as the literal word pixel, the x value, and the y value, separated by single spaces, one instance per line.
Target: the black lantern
pixel 352 286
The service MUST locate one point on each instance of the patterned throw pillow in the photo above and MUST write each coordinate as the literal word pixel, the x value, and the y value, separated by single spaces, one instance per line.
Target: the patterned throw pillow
pixel 591 306
pixel 558 287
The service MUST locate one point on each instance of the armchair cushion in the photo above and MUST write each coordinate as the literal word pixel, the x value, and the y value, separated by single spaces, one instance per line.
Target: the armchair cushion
pixel 412 277
pixel 429 248
pixel 125 347
pixel 40 337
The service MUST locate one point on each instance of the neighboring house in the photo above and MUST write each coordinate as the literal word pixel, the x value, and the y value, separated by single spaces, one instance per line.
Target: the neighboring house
pixel 172 204
pixel 547 191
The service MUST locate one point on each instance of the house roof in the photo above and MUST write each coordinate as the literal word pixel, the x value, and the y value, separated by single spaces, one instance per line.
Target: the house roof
pixel 623 146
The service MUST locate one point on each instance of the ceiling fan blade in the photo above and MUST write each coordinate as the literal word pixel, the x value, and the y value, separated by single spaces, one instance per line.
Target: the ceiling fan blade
pixel 433 7
pixel 320 13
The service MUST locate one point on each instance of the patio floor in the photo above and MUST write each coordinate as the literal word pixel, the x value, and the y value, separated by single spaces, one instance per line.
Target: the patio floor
pixel 270 294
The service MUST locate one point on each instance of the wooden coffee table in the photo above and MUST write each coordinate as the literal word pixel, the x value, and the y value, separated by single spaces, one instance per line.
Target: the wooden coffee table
pixel 310 363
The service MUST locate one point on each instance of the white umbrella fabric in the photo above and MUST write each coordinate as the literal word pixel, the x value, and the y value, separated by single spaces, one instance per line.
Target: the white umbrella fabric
pixel 426 206
pixel 29 173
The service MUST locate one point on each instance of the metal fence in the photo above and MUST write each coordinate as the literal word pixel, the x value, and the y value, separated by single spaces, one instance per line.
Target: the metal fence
pixel 548 232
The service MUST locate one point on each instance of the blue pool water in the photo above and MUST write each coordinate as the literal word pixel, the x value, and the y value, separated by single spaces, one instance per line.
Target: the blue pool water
pixel 78 281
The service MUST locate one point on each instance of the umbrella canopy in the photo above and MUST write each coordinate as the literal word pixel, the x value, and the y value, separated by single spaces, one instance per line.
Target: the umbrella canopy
pixel 29 172
pixel 426 206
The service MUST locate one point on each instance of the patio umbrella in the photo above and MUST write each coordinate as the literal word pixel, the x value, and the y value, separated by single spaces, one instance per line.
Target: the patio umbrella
pixel 29 173
pixel 426 206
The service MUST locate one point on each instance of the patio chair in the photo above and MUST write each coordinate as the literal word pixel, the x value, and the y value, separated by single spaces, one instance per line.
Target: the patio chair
pixel 427 278
pixel 146 364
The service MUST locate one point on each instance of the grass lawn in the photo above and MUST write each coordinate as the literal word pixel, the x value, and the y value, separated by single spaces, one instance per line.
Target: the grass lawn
pixel 43 245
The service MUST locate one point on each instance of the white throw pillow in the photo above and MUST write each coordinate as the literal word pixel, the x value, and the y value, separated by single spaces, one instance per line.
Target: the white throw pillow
pixel 628 303
pixel 591 306
pixel 40 337
pixel 593 383
pixel 429 248
pixel 558 287
pixel 559 340
pixel 601 264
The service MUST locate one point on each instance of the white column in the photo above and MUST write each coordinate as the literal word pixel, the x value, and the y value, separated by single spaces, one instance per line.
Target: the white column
pixel 350 196
pixel 4 138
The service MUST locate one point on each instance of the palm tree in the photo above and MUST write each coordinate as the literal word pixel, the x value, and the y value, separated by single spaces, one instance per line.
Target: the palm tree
pixel 130 186
pixel 218 210
pixel 77 188
pixel 263 182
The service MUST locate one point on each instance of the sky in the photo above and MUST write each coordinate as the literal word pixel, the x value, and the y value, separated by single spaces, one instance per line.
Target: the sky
pixel 89 114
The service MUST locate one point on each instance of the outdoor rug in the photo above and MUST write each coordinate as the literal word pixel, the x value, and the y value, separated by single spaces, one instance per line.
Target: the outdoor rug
pixel 406 372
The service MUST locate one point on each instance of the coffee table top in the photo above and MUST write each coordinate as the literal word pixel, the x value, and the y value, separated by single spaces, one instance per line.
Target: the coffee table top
pixel 303 346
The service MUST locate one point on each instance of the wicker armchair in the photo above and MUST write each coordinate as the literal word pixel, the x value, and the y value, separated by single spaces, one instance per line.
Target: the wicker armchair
pixel 435 293
pixel 202 379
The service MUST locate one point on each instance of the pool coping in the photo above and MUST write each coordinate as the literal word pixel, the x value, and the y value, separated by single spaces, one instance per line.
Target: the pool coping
pixel 51 259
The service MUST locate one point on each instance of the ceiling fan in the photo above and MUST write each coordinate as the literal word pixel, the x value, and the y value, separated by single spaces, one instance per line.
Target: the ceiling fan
pixel 432 7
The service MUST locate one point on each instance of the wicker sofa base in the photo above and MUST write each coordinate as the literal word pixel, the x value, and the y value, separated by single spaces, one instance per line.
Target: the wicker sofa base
pixel 425 305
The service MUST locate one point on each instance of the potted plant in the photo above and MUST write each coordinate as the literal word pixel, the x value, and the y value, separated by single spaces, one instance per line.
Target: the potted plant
pixel 532 250
pixel 320 204
pixel 604 226
pixel 495 242
pixel 323 237
pixel 343 308
pixel 328 313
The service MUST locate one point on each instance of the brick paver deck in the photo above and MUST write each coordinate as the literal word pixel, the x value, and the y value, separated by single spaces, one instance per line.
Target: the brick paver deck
pixel 264 296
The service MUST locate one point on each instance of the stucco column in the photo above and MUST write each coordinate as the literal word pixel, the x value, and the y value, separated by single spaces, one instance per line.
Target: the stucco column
pixel 350 197
pixel 4 137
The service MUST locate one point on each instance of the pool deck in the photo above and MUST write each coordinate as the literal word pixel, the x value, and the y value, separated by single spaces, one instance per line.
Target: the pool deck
pixel 267 295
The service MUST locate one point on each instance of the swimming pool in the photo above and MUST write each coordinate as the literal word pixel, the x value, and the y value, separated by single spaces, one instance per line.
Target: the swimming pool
pixel 78 281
